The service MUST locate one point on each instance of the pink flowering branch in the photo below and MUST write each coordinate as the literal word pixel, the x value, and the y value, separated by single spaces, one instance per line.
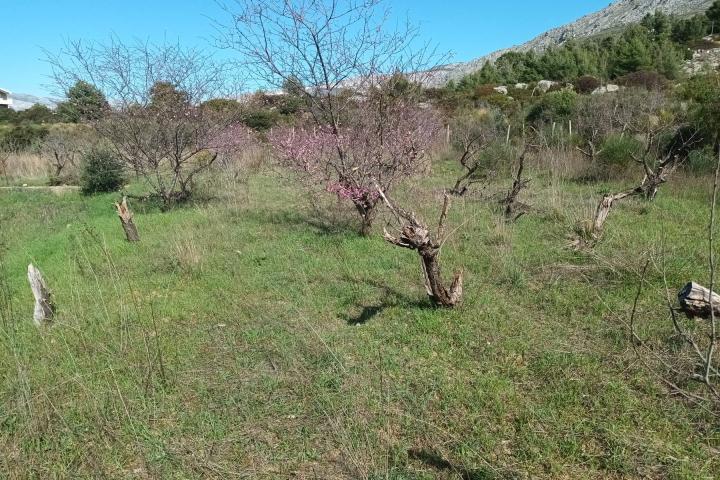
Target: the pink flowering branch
pixel 381 144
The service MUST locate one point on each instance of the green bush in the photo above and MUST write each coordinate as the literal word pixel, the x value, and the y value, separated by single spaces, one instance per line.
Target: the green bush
pixel 617 151
pixel 102 171
pixel 553 107
pixel 702 161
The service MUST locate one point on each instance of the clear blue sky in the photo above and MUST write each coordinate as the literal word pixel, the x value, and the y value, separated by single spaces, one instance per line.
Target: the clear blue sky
pixel 468 28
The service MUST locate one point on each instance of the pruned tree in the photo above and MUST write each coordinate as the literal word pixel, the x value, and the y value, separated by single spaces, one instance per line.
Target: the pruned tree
pixel 384 142
pixel 512 207
pixel 158 123
pixel 666 143
pixel 415 235
pixel 471 136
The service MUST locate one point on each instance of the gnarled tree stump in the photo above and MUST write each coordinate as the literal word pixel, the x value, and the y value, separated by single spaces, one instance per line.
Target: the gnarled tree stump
pixel 44 307
pixel 126 219
pixel 695 301
pixel 414 235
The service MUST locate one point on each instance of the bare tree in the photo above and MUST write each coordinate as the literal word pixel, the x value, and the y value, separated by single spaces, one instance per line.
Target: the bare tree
pixel 595 119
pixel 512 207
pixel 321 48
pixel 697 361
pixel 62 149
pixel 415 235
pixel 471 136
pixel 158 122
pixel 666 140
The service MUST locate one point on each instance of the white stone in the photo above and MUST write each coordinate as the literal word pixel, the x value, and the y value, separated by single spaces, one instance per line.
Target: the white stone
pixel 545 85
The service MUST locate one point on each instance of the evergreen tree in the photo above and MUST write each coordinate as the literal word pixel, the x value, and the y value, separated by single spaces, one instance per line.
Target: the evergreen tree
pixel 84 102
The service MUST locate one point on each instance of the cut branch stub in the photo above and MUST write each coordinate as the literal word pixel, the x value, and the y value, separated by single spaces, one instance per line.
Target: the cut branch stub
pixel 414 235
pixel 44 307
pixel 126 219
pixel 695 301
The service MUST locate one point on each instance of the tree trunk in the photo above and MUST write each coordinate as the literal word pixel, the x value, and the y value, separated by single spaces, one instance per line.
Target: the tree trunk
pixel 695 301
pixel 126 219
pixel 367 217
pixel 434 286
pixel 513 208
pixel 414 235
pixel 44 307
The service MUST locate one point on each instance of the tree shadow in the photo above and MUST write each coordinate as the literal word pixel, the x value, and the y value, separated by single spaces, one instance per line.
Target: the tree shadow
pixel 436 461
pixel 367 314
pixel 390 297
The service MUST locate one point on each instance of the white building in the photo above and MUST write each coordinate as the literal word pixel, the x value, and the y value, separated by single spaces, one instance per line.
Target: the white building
pixel 5 100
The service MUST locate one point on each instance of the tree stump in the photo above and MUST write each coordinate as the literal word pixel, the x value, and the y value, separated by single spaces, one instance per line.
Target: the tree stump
pixel 126 219
pixel 695 301
pixel 44 307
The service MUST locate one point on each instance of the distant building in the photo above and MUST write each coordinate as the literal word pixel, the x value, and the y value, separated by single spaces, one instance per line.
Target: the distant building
pixel 5 100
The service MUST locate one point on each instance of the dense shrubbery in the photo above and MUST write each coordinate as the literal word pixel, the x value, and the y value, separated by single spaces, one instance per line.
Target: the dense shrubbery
pixel 102 171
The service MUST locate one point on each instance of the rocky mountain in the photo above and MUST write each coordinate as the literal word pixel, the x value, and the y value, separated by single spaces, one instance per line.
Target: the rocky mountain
pixel 617 14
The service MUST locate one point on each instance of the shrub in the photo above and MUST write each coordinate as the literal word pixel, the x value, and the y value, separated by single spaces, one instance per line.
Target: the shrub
pixel 701 161
pixel 618 150
pixel 102 171
pixel 261 119
pixel 554 106
pixel 586 84
pixel 648 80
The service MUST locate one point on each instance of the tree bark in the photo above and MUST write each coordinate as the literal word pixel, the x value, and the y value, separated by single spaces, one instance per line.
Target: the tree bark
pixel 415 236
pixel 44 306
pixel 695 301
pixel 126 219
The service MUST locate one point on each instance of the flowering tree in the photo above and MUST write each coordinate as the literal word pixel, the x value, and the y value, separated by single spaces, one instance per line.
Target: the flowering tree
pixel 384 142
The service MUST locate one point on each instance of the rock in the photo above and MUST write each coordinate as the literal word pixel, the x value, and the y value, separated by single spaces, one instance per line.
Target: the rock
pixel 521 86
pixel 501 89
pixel 609 88
pixel 545 85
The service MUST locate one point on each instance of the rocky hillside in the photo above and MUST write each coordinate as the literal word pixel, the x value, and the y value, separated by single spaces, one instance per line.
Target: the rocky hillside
pixel 617 14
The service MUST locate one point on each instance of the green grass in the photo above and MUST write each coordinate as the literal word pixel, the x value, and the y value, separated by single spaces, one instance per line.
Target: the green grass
pixel 241 338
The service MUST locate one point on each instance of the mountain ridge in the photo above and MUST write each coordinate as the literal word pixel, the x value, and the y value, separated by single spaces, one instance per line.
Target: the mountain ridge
pixel 618 14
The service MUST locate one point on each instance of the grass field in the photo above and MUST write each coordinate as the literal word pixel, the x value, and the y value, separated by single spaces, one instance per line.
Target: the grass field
pixel 246 338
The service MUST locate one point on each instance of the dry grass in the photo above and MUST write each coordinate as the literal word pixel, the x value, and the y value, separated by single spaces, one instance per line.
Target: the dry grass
pixel 26 165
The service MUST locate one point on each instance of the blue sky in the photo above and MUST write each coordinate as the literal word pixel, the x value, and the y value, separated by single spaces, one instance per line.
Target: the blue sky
pixel 465 27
